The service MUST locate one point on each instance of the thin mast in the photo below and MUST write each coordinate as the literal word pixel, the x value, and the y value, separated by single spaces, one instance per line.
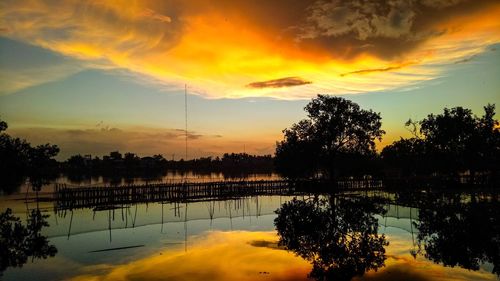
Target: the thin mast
pixel 186 119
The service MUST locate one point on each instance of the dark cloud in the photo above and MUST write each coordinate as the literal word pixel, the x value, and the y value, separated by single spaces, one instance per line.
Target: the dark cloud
pixel 361 20
pixel 372 70
pixel 440 3
pixel 464 60
pixel 181 133
pixel 346 29
pixel 156 16
pixel 192 136
pixel 266 244
pixel 343 28
pixel 279 83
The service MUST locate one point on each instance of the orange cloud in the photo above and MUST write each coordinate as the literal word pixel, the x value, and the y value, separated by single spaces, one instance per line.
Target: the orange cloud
pixel 219 49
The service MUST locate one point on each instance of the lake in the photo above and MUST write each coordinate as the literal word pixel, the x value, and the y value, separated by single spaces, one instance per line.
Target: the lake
pixel 358 235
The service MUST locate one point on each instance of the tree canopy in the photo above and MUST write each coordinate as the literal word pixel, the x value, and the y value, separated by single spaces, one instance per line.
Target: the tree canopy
pixel 336 130
pixel 455 140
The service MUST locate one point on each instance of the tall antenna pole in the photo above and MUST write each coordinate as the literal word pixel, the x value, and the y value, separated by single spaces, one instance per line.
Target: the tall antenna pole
pixel 186 111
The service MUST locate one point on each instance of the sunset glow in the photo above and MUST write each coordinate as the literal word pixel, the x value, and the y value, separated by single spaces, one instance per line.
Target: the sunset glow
pixel 220 50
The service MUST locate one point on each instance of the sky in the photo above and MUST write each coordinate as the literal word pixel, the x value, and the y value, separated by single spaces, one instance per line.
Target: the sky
pixel 97 76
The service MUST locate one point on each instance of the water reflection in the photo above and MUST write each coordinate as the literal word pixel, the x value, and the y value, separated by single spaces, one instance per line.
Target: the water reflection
pixel 344 236
pixel 457 230
pixel 223 256
pixel 244 255
pixel 11 186
pixel 338 235
pixel 19 242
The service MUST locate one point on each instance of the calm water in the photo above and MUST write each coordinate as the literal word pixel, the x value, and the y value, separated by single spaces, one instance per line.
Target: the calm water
pixel 386 236
pixel 168 176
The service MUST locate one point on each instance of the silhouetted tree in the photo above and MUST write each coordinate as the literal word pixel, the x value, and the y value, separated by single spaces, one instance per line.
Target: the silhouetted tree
pixel 76 162
pixel 115 156
pixel 336 129
pixel 14 164
pixel 297 156
pixel 19 159
pixel 449 137
pixel 131 161
pixel 43 167
pixel 338 236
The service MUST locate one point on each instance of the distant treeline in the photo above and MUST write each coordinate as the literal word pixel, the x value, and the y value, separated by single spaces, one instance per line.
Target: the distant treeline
pixel 19 160
pixel 131 164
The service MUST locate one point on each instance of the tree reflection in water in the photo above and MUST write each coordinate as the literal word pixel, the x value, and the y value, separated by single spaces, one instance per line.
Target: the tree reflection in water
pixel 337 235
pixel 19 242
pixel 457 230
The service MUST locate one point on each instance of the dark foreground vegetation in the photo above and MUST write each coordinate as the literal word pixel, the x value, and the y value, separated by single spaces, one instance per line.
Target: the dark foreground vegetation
pixel 336 140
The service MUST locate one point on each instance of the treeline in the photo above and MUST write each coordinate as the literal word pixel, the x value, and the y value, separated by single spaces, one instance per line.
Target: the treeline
pixel 130 164
pixel 451 142
pixel 19 159
pixel 229 162
pixel 337 139
pixel 115 164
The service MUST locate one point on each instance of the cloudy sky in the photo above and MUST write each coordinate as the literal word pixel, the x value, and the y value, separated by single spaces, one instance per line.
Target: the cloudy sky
pixel 95 76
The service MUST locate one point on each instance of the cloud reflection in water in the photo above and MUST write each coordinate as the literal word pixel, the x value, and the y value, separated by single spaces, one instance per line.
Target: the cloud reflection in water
pixel 242 255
